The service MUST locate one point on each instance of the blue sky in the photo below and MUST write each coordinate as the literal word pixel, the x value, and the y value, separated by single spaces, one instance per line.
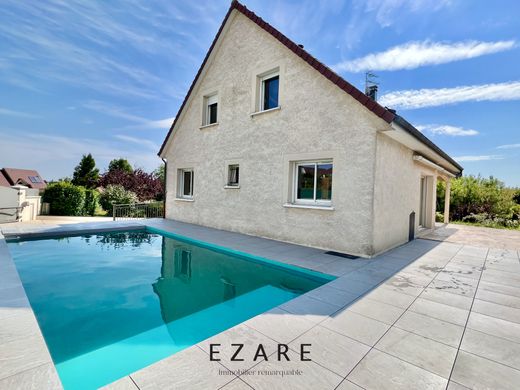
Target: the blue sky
pixel 80 76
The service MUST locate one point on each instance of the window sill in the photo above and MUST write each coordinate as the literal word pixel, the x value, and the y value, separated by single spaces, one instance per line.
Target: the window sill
pixel 185 199
pixel 232 187
pixel 308 206
pixel 208 126
pixel 266 111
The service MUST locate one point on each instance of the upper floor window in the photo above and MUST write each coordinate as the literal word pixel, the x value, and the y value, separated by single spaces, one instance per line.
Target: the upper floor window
pixel 185 183
pixel 269 91
pixel 210 109
pixel 313 182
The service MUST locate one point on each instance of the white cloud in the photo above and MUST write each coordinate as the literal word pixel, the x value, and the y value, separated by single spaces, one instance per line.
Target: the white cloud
pixel 411 99
pixel 139 141
pixel 509 146
pixel 7 112
pixel 453 131
pixel 478 158
pixel 413 55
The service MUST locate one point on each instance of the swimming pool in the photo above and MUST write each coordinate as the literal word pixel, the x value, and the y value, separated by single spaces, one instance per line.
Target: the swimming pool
pixel 111 303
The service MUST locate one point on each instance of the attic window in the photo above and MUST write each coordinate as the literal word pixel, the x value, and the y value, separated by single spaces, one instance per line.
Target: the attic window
pixel 210 110
pixel 269 92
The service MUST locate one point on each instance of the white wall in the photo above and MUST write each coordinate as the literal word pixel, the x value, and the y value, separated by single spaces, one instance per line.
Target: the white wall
pixel 15 197
pixel 316 119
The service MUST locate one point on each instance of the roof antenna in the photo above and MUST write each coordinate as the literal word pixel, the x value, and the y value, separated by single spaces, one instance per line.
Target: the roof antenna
pixel 371 85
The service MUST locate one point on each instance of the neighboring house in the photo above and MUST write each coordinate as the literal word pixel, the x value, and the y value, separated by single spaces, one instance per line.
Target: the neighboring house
pixel 271 142
pixel 19 194
pixel 25 177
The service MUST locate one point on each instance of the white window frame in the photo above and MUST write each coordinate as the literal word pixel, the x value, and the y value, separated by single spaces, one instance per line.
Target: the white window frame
pixel 180 181
pixel 208 100
pixel 314 201
pixel 228 183
pixel 262 79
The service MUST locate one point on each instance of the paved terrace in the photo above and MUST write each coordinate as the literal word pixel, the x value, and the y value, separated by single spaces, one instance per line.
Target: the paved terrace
pixel 427 315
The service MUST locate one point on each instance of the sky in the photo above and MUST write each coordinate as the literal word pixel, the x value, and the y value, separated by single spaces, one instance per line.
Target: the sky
pixel 107 77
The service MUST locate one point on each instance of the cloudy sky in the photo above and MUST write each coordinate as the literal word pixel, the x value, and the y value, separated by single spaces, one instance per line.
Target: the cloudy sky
pixel 80 76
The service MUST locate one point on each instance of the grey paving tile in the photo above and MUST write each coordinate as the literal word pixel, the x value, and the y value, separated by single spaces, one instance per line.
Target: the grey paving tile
pixel 280 325
pixel 505 279
pixel 240 334
pixel 22 354
pixel 499 288
pixel 237 384
pixel 124 383
pixel 41 377
pixel 177 372
pixel 351 286
pixel 356 326
pixel 440 296
pixel 454 286
pixel 348 385
pixel 377 310
pixel 513 268
pixel 475 251
pixel 494 326
pixel 432 328
pixel 369 276
pixel 19 326
pixel 493 348
pixel 379 370
pixel 501 299
pixel 311 376
pixel 401 284
pixel 310 308
pixel 420 351
pixel 387 295
pixel 502 254
pixel 440 311
pixel 415 277
pixel 333 295
pixel 496 310
pixel 455 386
pixel 476 372
pixel 468 260
pixel 339 267
pixel 463 270
pixel 332 350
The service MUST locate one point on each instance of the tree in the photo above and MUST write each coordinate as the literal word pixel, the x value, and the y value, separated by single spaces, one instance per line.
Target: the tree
pixel 86 174
pixel 115 194
pixel 160 172
pixel 147 186
pixel 120 164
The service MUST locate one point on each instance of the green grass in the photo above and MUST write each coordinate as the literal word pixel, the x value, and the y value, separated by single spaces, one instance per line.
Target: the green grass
pixel 487 225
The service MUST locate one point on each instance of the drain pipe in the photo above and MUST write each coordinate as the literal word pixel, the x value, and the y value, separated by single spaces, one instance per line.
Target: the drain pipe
pixel 164 184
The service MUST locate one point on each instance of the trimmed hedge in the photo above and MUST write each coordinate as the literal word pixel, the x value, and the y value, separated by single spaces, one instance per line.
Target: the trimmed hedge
pixel 91 202
pixel 65 198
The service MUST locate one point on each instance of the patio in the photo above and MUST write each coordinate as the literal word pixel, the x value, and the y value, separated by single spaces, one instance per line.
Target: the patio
pixel 428 314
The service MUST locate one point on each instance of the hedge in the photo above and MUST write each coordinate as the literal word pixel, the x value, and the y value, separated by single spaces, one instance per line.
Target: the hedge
pixel 65 198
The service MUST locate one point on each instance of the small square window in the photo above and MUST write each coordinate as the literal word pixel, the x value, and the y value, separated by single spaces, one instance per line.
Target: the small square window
pixel 185 183
pixel 210 110
pixel 269 91
pixel 233 175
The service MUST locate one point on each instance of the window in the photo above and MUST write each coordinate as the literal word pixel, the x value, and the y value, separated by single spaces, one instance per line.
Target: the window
pixel 35 179
pixel 210 110
pixel 313 182
pixel 185 183
pixel 269 92
pixel 233 175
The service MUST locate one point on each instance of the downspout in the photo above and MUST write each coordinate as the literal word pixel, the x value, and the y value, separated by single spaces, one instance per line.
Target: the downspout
pixel 165 176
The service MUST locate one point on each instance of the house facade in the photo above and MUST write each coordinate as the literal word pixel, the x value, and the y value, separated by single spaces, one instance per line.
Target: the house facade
pixel 270 142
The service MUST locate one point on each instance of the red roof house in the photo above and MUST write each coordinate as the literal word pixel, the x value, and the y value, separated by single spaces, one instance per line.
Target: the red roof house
pixel 26 177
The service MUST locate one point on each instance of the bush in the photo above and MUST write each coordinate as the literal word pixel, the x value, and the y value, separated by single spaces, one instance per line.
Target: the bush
pixel 65 198
pixel 115 194
pixel 91 202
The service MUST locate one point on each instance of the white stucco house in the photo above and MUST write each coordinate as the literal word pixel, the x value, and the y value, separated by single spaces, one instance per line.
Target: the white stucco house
pixel 271 142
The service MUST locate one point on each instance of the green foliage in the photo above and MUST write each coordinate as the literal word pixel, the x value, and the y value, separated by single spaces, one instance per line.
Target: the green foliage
pixel 91 202
pixel 116 194
pixel 160 172
pixel 120 164
pixel 86 174
pixel 482 201
pixel 65 198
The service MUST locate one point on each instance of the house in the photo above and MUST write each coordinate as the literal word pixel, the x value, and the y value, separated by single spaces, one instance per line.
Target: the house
pixel 271 142
pixel 27 177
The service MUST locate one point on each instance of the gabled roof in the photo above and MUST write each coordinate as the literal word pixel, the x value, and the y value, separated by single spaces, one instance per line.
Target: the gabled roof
pixel 27 177
pixel 384 113
pixel 373 106
pixel 3 180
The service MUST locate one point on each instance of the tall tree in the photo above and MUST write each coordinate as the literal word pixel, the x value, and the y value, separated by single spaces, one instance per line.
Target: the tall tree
pixel 120 164
pixel 86 174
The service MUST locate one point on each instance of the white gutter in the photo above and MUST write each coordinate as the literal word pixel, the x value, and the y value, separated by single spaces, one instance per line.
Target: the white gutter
pixel 431 164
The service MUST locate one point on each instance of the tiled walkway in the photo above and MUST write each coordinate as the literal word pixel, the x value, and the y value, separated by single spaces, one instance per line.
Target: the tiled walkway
pixel 426 315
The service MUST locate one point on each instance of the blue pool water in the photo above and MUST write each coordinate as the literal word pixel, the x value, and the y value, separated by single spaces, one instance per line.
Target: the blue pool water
pixel 109 304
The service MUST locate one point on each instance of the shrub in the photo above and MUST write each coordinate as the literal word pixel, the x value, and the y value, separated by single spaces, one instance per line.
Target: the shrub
pixel 116 194
pixel 147 186
pixel 65 198
pixel 91 202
